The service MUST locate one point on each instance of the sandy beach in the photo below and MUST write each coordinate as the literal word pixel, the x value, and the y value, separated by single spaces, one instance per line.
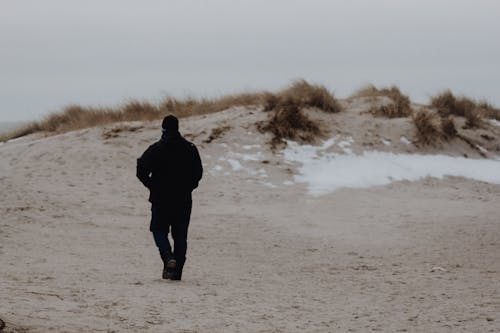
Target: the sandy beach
pixel 266 252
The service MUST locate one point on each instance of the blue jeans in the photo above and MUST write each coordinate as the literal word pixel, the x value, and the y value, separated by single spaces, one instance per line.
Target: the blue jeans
pixel 178 225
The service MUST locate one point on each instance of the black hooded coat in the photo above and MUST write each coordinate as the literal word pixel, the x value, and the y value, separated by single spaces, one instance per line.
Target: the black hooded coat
pixel 171 169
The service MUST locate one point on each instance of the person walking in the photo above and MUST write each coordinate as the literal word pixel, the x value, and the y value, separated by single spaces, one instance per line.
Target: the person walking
pixel 171 169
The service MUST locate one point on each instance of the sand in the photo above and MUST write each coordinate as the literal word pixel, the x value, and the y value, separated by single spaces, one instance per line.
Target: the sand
pixel 264 255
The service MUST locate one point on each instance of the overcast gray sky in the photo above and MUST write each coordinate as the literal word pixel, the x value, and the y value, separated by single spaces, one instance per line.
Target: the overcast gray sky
pixel 57 52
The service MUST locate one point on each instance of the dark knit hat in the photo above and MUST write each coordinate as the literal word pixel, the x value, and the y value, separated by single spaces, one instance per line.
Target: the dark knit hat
pixel 170 123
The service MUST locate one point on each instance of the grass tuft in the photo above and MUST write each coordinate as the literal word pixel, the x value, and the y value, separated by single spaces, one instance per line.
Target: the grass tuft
pixel 217 133
pixel 448 128
pixel 305 94
pixel 432 127
pixel 473 119
pixel 290 123
pixel 271 101
pixel 399 107
pixel 448 104
pixel 428 127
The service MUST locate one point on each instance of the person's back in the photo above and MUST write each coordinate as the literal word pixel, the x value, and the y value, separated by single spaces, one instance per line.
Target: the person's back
pixel 174 168
pixel 171 169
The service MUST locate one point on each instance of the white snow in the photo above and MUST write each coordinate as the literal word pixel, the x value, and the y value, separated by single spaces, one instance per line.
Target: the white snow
pixel 345 144
pixel 238 161
pixel 325 173
pixel 262 173
pixel 252 157
pixel 495 122
pixel 249 147
pixel 386 142
pixel 246 157
pixel 236 165
pixel 268 184
pixel 481 149
pixel 405 140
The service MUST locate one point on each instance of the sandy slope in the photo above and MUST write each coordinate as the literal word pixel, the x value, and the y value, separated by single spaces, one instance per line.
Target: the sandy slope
pixel 77 256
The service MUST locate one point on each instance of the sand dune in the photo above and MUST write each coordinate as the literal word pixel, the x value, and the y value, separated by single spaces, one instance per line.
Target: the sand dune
pixel 419 255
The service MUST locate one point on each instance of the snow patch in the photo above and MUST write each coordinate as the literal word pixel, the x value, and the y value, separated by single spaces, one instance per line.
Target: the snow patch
pixel 236 165
pixel 249 147
pixel 386 142
pixel 405 140
pixel 481 149
pixel 345 144
pixel 494 122
pixel 268 184
pixel 325 173
pixel 262 173
pixel 247 157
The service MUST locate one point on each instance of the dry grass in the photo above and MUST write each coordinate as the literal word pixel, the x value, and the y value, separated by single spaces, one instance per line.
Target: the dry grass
pixel 448 104
pixel 428 127
pixel 217 133
pixel 432 128
pixel 192 106
pixel 392 110
pixel 366 91
pixel 289 122
pixel 20 131
pixel 75 117
pixel 271 101
pixel 488 111
pixel 399 108
pixel 303 95
pixel 115 131
pixel 448 128
pixel 473 119
pixel 311 95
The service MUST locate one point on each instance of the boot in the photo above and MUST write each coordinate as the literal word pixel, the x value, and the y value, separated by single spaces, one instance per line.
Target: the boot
pixel 166 258
pixel 176 273
pixel 169 269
